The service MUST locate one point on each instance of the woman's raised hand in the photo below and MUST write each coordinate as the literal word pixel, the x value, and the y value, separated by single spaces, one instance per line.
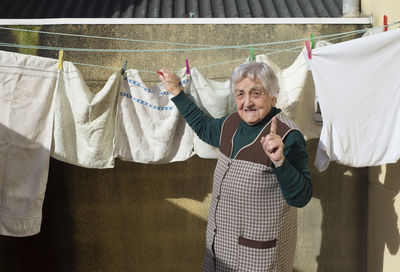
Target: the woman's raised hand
pixel 170 81
pixel 273 145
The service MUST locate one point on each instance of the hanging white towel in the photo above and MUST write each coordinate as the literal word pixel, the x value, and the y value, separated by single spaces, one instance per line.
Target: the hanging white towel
pixel 149 128
pixel 84 122
pixel 215 99
pixel 296 95
pixel 27 84
pixel 358 86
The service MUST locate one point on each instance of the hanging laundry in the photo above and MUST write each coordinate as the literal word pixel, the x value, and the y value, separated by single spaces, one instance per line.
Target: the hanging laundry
pixel 149 128
pixel 215 98
pixel 27 85
pixel 296 95
pixel 84 122
pixel 358 86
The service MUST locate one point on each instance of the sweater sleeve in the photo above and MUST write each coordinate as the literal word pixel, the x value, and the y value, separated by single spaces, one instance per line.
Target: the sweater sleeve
pixel 206 128
pixel 293 175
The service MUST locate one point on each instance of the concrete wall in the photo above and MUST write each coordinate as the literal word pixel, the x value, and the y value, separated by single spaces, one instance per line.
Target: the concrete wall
pixel 384 218
pixel 139 217
pixel 384 188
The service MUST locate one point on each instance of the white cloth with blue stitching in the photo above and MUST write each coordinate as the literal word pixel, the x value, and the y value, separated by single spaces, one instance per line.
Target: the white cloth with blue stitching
pixel 149 128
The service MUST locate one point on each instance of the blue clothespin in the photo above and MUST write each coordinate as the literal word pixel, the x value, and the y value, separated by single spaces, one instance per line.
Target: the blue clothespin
pixel 187 67
pixel 252 54
pixel 124 68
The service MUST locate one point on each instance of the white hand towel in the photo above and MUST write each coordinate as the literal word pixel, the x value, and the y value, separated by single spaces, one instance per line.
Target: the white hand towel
pixel 84 122
pixel 215 99
pixel 27 84
pixel 149 128
pixel 296 95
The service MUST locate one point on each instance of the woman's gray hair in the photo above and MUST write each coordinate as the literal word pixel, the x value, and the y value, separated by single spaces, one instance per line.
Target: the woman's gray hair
pixel 256 70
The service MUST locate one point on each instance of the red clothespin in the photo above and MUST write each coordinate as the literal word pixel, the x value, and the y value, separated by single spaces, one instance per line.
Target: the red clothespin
pixel 385 19
pixel 308 47
pixel 187 67
pixel 160 73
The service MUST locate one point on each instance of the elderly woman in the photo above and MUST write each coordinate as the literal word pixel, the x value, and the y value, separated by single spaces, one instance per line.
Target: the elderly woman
pixel 261 175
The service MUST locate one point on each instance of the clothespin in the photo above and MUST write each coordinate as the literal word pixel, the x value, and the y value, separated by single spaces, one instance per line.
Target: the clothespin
pixel 308 46
pixel 124 68
pixel 252 54
pixel 385 22
pixel 187 67
pixel 60 59
pixel 312 41
pixel 160 73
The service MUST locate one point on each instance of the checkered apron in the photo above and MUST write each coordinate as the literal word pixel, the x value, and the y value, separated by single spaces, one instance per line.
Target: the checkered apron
pixel 250 225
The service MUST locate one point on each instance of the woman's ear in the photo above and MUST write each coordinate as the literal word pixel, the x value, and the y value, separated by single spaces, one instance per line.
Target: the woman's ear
pixel 274 100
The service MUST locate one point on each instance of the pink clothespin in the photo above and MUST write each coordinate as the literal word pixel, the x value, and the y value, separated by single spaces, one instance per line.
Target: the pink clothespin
pixel 385 19
pixel 308 47
pixel 187 67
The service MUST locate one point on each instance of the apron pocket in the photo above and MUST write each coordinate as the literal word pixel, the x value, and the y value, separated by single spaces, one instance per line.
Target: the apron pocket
pixel 257 244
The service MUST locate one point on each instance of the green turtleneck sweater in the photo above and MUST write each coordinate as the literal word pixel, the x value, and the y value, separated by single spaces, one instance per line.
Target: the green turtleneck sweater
pixel 293 175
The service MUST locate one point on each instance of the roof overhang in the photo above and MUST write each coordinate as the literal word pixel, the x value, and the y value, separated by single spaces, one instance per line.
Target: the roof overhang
pixel 173 21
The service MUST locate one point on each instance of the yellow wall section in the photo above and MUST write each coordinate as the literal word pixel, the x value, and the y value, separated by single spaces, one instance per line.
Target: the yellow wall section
pixel 378 8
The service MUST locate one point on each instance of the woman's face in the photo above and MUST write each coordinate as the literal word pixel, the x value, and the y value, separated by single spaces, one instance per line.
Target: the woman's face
pixel 252 101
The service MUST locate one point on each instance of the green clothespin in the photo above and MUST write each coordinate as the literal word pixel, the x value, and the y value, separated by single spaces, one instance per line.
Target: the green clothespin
pixel 252 54
pixel 312 41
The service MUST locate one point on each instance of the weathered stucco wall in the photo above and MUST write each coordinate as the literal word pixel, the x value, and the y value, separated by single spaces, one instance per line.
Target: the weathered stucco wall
pixel 384 188
pixel 139 217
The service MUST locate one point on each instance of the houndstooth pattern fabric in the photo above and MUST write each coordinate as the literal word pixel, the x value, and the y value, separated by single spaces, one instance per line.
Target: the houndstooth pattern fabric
pixel 289 122
pixel 247 202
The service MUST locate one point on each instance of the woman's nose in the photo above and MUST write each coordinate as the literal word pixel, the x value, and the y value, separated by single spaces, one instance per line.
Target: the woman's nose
pixel 248 99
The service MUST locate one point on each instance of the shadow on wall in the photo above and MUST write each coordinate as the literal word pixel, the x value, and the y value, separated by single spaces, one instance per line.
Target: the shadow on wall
pixel 116 220
pixel 53 248
pixel 342 193
pixel 24 254
pixel 384 232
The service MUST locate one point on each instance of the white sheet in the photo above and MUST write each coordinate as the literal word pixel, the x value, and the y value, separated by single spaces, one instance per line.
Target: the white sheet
pixel 27 85
pixel 358 86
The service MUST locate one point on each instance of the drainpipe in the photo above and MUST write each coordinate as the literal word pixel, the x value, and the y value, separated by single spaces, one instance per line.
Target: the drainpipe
pixel 351 8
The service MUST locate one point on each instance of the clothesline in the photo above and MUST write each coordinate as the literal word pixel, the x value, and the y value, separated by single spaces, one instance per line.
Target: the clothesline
pixel 210 47
pixel 297 49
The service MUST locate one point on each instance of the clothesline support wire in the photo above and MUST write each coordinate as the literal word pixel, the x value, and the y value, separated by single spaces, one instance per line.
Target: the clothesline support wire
pixel 271 51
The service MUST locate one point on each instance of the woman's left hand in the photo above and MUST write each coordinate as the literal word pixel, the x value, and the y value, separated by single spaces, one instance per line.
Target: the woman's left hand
pixel 273 145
